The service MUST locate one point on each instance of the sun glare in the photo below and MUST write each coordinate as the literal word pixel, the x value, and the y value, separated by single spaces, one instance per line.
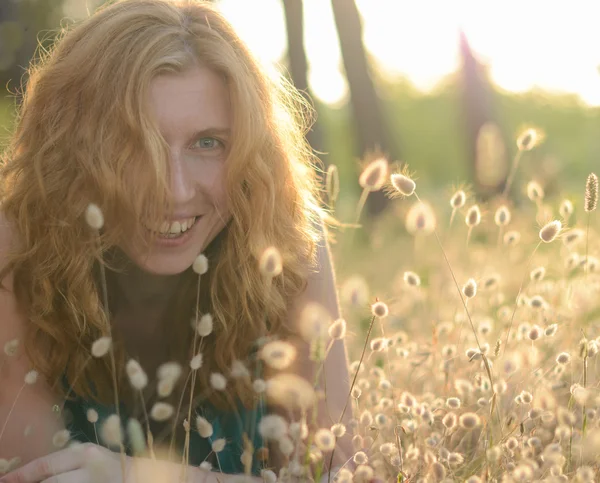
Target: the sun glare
pixel 533 44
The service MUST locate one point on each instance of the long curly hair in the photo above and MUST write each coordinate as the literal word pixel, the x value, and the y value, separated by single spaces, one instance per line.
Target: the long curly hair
pixel 84 134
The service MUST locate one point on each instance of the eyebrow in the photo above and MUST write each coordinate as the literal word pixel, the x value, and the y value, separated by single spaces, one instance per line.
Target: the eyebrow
pixel 211 131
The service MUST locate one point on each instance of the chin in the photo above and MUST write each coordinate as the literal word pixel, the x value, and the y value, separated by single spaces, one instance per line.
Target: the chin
pixel 165 265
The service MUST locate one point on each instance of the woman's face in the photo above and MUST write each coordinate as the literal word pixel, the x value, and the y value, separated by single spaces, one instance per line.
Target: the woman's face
pixel 193 113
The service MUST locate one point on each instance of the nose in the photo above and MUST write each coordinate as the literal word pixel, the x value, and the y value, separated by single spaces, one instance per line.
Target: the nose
pixel 182 185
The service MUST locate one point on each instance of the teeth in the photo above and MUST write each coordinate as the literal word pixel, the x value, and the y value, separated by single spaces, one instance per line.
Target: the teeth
pixel 177 227
pixel 184 225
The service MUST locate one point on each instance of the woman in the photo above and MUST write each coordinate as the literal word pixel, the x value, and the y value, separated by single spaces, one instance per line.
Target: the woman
pixel 151 166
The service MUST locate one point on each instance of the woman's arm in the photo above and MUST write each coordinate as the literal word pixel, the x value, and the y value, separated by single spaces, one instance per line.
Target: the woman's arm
pixel 321 288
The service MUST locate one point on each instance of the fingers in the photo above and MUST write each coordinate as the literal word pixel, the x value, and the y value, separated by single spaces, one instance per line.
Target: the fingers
pixel 77 476
pixel 43 468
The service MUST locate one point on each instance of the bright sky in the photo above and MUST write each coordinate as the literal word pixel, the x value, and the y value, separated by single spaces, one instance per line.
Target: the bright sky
pixel 550 44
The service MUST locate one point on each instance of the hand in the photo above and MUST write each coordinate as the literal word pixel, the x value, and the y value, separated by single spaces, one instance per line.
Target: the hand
pixel 82 463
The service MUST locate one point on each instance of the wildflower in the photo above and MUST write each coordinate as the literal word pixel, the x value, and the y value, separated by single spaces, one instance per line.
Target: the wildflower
pixel 337 330
pixel 61 438
pixel 137 377
pixel 458 199
pixel 470 288
pixel 403 184
pixel 591 193
pixel 412 279
pixel 469 420
pixel 205 325
pixel 203 427
pixel 550 231
pixel 218 381
pixel 200 265
pixel 101 346
pixel 379 309
pixel 271 264
pixel 502 216
pixel 473 217
pixel 94 217
pixel 324 439
pixel 272 427
pixel 278 354
pixel 31 377
pixel 161 411
pixel 10 348
pixel 374 175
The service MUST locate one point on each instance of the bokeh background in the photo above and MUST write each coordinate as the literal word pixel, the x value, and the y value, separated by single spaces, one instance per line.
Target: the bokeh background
pixel 414 80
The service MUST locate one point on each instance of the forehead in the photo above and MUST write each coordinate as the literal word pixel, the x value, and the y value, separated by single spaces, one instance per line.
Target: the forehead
pixel 195 100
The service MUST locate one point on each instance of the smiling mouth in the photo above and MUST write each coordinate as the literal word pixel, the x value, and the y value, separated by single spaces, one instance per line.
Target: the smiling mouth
pixel 174 229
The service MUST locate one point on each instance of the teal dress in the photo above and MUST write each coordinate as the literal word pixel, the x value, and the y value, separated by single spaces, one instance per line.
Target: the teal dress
pixel 226 424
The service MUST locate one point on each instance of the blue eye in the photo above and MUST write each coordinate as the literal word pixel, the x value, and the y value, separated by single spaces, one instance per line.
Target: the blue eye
pixel 208 143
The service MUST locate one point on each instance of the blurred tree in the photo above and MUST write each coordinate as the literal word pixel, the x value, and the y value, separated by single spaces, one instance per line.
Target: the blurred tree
pixel 298 65
pixel 485 145
pixel 372 129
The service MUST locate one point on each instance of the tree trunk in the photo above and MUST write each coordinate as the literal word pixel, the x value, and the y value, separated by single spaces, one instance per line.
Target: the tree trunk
pixel 372 130
pixel 298 65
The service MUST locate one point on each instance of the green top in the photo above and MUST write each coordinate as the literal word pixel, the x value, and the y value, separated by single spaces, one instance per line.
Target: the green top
pixel 225 425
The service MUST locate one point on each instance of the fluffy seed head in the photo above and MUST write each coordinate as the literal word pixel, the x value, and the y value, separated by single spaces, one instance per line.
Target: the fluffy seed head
pixel 218 445
pixel 379 309
pixel 403 184
pixel 239 370
pixel 535 192
pixel 136 436
pixel 259 386
pixel 205 325
pixel 270 263
pixel 374 175
pixel 458 199
pixel 470 288
pixel 92 415
pixel 218 381
pixel 537 274
pixel 551 330
pixel 528 140
pixel 161 411
pixel 566 209
pixel 332 183
pixel 591 193
pixel 101 346
pixel 278 354
pixel 31 377
pixel 469 420
pixel 196 362
pixel 550 231
pixel 473 217
pixel 449 420
pixel 200 265
pixel 61 438
pixel 337 330
pixel 412 279
pixel 204 428
pixel 10 348
pixel 563 358
pixel 420 219
pixel 314 322
pixel 511 238
pixel 290 391
pixel 324 439
pixel 502 216
pixel 94 217
pixel 110 432
pixel 137 377
pixel 338 430
pixel 360 458
pixel 169 371
pixel 272 427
